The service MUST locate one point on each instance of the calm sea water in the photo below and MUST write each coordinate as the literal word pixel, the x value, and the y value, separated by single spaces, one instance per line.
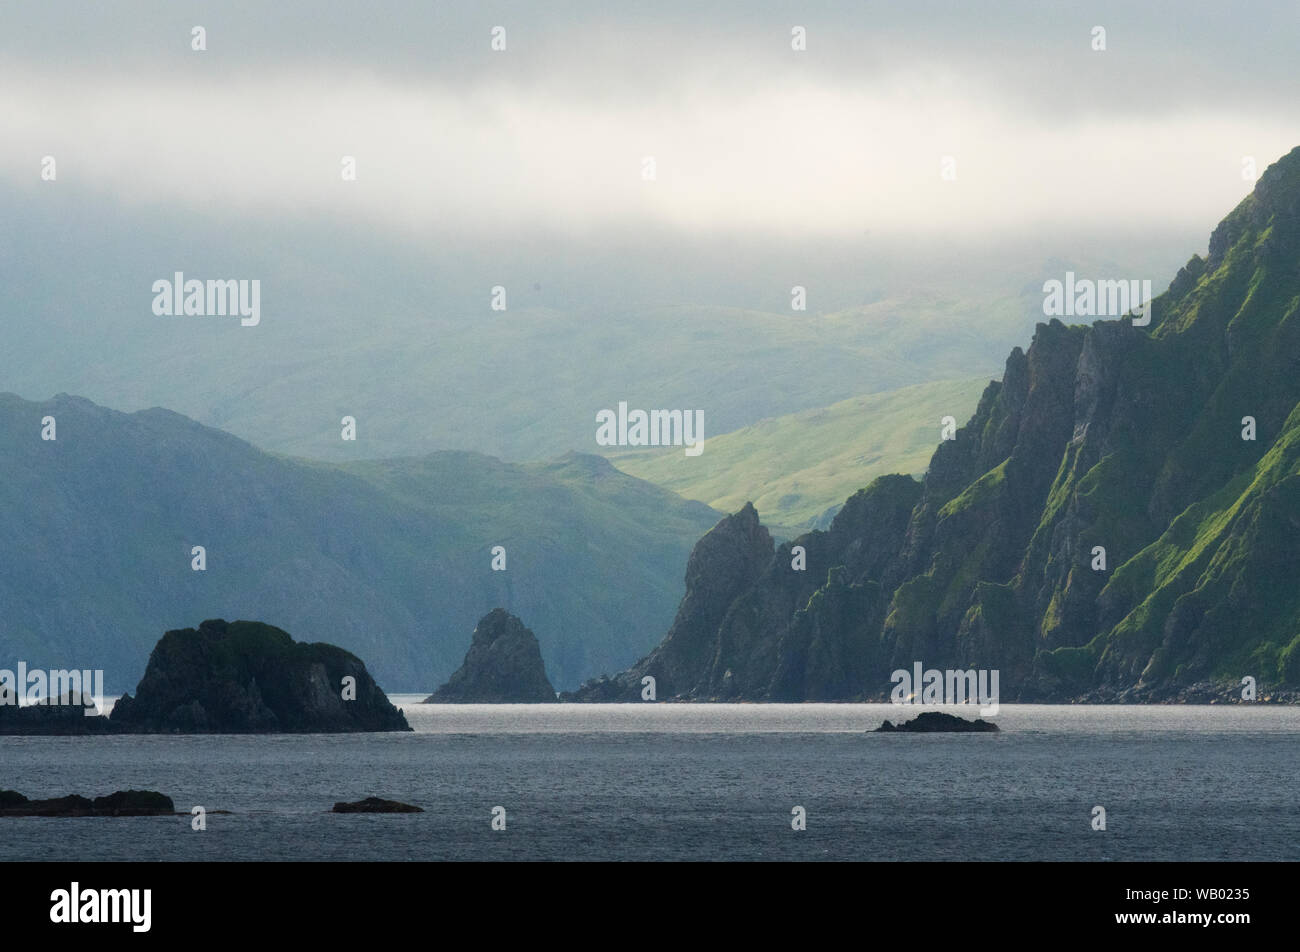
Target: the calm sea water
pixel 678 781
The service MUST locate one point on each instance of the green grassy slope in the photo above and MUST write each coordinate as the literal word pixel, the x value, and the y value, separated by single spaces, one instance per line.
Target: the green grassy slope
pixel 796 467
pixel 1222 574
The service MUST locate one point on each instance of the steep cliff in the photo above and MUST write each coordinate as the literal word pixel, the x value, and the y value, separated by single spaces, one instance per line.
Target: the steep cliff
pixel 1120 519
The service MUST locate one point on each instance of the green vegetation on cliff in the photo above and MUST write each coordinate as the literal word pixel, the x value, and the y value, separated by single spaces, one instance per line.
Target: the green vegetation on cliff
pixel 795 468
pixel 1119 519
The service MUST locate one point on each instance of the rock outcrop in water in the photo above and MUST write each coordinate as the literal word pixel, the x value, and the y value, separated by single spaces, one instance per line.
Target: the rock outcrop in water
pixel 245 677
pixel 503 666
pixel 376 805
pixel 121 803
pixel 1118 521
pixel 937 722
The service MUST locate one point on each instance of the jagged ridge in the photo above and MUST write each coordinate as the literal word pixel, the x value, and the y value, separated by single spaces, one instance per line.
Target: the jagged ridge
pixel 1106 435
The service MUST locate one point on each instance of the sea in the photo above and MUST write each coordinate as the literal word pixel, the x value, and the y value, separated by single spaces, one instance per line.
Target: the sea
pixel 671 781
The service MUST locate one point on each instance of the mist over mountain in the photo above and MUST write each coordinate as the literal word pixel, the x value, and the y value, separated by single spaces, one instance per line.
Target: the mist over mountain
pixel 389 559
pixel 399 332
pixel 1119 519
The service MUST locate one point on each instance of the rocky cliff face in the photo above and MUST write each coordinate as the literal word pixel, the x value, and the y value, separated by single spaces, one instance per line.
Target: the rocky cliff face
pixel 1099 529
pixel 247 677
pixel 503 666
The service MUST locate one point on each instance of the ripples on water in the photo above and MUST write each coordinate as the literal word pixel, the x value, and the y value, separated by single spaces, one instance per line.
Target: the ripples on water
pixel 686 781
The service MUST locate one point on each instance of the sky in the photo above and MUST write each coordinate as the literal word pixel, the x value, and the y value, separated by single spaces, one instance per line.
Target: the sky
pixel 748 136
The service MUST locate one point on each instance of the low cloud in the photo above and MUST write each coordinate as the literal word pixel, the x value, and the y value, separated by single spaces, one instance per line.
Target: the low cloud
pixel 786 155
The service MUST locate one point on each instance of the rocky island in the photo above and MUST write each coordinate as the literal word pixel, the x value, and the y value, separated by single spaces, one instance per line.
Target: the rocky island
pixel 246 677
pixel 937 722
pixel 376 805
pixel 503 666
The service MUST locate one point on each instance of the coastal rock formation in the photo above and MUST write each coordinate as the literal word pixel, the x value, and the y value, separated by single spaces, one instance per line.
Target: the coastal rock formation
pixel 375 805
pixel 121 803
pixel 1118 521
pixel 246 677
pixel 937 722
pixel 725 564
pixel 503 665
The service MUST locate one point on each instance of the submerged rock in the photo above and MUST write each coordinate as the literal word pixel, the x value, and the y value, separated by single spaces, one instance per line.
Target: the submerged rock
pixel 934 722
pixel 245 677
pixel 503 665
pixel 376 805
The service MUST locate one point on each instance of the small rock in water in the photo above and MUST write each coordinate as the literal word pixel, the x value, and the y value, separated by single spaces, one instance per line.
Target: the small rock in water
pixel 938 722
pixel 134 803
pixel 375 805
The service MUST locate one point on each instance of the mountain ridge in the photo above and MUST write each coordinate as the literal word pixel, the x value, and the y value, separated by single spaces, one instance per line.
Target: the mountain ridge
pixel 389 559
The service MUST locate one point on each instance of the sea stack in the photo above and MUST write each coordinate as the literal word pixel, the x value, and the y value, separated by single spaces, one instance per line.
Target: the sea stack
pixel 503 666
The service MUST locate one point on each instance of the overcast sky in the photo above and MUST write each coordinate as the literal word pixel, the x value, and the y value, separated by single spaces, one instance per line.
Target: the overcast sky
pixel 749 137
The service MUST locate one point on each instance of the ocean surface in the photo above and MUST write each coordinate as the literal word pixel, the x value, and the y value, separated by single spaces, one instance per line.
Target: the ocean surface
pixel 692 782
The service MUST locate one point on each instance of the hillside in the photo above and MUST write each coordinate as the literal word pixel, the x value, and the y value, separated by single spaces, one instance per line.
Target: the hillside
pixel 1106 436
pixel 795 468
pixel 390 560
